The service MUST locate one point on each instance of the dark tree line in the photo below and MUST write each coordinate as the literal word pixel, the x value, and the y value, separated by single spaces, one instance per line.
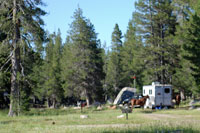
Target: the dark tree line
pixel 36 68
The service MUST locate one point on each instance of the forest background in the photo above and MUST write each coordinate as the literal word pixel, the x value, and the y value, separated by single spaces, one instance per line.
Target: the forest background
pixel 162 43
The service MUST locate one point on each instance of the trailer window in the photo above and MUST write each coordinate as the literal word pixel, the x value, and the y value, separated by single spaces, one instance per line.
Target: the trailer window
pixel 144 92
pixel 150 91
pixel 167 90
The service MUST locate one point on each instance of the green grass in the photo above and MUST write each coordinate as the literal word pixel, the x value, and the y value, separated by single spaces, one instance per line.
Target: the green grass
pixel 105 121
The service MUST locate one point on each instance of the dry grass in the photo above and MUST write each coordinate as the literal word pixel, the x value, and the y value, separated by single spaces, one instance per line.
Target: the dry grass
pixel 62 121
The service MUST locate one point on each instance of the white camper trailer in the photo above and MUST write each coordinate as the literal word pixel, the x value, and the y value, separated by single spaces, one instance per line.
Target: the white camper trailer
pixel 159 95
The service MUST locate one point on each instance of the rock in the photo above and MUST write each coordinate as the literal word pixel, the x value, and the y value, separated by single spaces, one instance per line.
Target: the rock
pixel 77 107
pixel 65 107
pixel 51 107
pixel 198 109
pixel 120 116
pixel 99 108
pixel 84 116
pixel 114 107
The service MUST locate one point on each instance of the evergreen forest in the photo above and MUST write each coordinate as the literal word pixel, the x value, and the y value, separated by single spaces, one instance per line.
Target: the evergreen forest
pixel 39 69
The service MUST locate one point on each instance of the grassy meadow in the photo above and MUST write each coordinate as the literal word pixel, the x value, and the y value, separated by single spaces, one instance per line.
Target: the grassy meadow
pixel 103 121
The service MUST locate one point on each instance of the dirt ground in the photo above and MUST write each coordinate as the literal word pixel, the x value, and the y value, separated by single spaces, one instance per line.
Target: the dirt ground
pixel 104 125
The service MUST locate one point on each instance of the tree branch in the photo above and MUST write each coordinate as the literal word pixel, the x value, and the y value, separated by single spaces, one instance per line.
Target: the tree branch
pixel 22 72
pixel 8 59
pixel 8 68
pixel 21 9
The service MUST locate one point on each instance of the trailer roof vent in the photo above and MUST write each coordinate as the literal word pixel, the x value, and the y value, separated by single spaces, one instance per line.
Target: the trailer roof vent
pixel 155 83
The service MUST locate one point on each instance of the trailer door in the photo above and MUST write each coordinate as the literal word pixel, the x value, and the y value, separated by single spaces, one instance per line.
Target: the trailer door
pixel 167 96
pixel 159 96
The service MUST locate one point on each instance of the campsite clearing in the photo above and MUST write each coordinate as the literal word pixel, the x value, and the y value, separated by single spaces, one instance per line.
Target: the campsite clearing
pixel 102 121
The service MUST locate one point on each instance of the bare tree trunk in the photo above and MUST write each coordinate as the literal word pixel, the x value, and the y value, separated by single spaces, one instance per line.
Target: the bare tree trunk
pixel 87 101
pixel 54 103
pixel 87 98
pixel 15 60
pixel 34 99
pixel 182 93
pixel 48 103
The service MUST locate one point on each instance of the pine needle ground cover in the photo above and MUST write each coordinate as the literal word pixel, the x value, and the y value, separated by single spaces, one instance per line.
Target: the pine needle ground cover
pixel 104 121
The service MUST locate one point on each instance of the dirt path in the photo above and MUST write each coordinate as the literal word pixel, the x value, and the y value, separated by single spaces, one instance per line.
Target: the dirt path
pixel 103 125
pixel 150 116
pixel 161 116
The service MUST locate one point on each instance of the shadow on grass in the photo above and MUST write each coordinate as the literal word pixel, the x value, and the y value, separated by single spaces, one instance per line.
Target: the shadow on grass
pixel 144 111
pixel 148 111
pixel 6 122
pixel 48 112
pixel 54 112
pixel 3 112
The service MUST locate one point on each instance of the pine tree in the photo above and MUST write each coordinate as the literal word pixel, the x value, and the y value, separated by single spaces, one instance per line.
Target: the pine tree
pixel 156 24
pixel 20 21
pixel 4 71
pixel 83 69
pixel 36 68
pixel 113 75
pixel 105 55
pixel 182 80
pixel 30 61
pixel 57 54
pixel 191 42
pixel 52 70
pixel 132 59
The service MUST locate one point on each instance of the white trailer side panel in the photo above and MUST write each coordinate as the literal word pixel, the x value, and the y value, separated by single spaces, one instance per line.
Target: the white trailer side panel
pixel 149 90
pixel 159 95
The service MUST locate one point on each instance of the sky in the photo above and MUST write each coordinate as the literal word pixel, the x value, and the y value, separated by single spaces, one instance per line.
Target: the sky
pixel 103 14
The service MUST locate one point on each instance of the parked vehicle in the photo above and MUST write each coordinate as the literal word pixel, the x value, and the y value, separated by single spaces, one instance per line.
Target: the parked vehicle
pixel 160 95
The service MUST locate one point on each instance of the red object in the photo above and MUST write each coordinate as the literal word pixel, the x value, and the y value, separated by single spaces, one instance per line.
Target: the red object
pixel 134 77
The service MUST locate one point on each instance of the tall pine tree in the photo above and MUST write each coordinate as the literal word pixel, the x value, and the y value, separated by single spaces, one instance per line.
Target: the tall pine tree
pixel 191 42
pixel 4 71
pixel 156 24
pixel 132 59
pixel 113 75
pixel 52 70
pixel 83 69
pixel 20 20
pixel 182 80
